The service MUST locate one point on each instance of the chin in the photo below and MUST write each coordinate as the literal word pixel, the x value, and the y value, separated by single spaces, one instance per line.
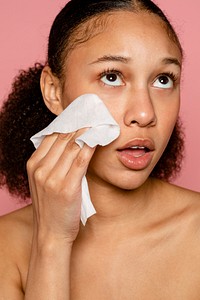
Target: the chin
pixel 121 179
pixel 129 181
pixel 129 186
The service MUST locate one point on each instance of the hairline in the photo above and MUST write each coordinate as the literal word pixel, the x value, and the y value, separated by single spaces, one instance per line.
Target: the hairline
pixel 82 33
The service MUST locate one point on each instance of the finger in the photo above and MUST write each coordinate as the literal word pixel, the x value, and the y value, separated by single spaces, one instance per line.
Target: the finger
pixel 55 151
pixel 59 146
pixel 44 147
pixel 66 158
pixel 49 149
pixel 42 161
pixel 79 168
pixel 55 143
pixel 51 169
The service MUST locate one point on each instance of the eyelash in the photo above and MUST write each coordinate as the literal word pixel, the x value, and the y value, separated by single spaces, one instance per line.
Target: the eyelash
pixel 108 71
pixel 171 75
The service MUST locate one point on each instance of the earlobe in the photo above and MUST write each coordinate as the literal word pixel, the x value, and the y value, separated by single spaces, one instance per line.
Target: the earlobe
pixel 51 91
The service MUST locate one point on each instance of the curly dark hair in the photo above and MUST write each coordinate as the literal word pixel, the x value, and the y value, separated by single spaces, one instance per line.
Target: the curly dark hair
pixel 22 115
pixel 24 112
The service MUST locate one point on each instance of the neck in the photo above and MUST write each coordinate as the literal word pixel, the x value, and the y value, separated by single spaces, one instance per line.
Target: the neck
pixel 116 207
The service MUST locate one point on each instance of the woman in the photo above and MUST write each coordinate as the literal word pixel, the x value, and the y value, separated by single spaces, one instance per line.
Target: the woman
pixel 144 240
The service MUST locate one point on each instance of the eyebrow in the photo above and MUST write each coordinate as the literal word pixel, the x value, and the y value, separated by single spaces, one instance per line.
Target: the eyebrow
pixel 171 60
pixel 125 60
pixel 116 58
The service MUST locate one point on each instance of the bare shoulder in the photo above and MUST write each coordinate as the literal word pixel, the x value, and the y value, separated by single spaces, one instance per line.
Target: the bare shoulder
pixel 15 246
pixel 190 201
pixel 186 193
pixel 183 204
pixel 16 226
pixel 20 214
pixel 177 193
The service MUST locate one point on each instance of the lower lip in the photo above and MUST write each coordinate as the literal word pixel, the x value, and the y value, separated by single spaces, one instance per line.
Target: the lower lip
pixel 129 160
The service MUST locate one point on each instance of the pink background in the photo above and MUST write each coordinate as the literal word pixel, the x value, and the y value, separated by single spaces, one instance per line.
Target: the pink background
pixel 24 27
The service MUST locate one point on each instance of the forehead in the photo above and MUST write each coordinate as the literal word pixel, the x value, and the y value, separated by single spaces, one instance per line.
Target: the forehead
pixel 123 31
pixel 142 37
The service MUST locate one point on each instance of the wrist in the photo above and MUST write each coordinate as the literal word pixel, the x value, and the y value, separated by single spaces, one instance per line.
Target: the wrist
pixel 47 245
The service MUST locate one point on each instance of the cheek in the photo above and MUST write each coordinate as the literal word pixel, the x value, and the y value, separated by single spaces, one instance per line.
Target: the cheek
pixel 102 160
pixel 98 156
pixel 72 88
pixel 169 116
pixel 164 130
pixel 167 110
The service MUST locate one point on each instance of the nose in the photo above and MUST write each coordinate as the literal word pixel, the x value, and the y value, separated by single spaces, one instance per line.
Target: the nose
pixel 140 109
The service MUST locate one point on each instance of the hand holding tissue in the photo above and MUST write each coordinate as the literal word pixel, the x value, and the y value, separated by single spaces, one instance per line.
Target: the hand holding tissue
pixel 86 111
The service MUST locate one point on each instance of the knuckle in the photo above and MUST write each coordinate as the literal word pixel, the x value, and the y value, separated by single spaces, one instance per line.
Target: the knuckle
pixel 30 165
pixel 63 136
pixel 39 175
pixel 72 145
pixel 70 193
pixel 81 160
pixel 66 193
pixel 51 184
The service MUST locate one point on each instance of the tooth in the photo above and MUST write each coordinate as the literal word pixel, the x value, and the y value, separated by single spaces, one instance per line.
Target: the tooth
pixel 137 147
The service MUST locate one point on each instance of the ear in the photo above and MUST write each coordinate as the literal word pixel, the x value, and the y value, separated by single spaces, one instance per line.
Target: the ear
pixel 51 91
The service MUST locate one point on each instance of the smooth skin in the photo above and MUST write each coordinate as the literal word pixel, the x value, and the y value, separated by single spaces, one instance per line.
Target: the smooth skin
pixel 144 241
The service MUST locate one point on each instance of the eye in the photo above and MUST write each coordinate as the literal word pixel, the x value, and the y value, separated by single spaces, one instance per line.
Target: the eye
pixel 165 81
pixel 112 78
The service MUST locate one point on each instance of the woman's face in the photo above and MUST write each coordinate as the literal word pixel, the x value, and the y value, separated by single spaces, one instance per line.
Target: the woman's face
pixel 134 67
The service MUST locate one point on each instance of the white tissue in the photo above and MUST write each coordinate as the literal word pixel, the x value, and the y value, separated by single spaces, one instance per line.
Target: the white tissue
pixel 86 111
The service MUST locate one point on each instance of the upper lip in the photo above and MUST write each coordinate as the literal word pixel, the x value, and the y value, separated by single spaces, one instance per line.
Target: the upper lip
pixel 139 142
